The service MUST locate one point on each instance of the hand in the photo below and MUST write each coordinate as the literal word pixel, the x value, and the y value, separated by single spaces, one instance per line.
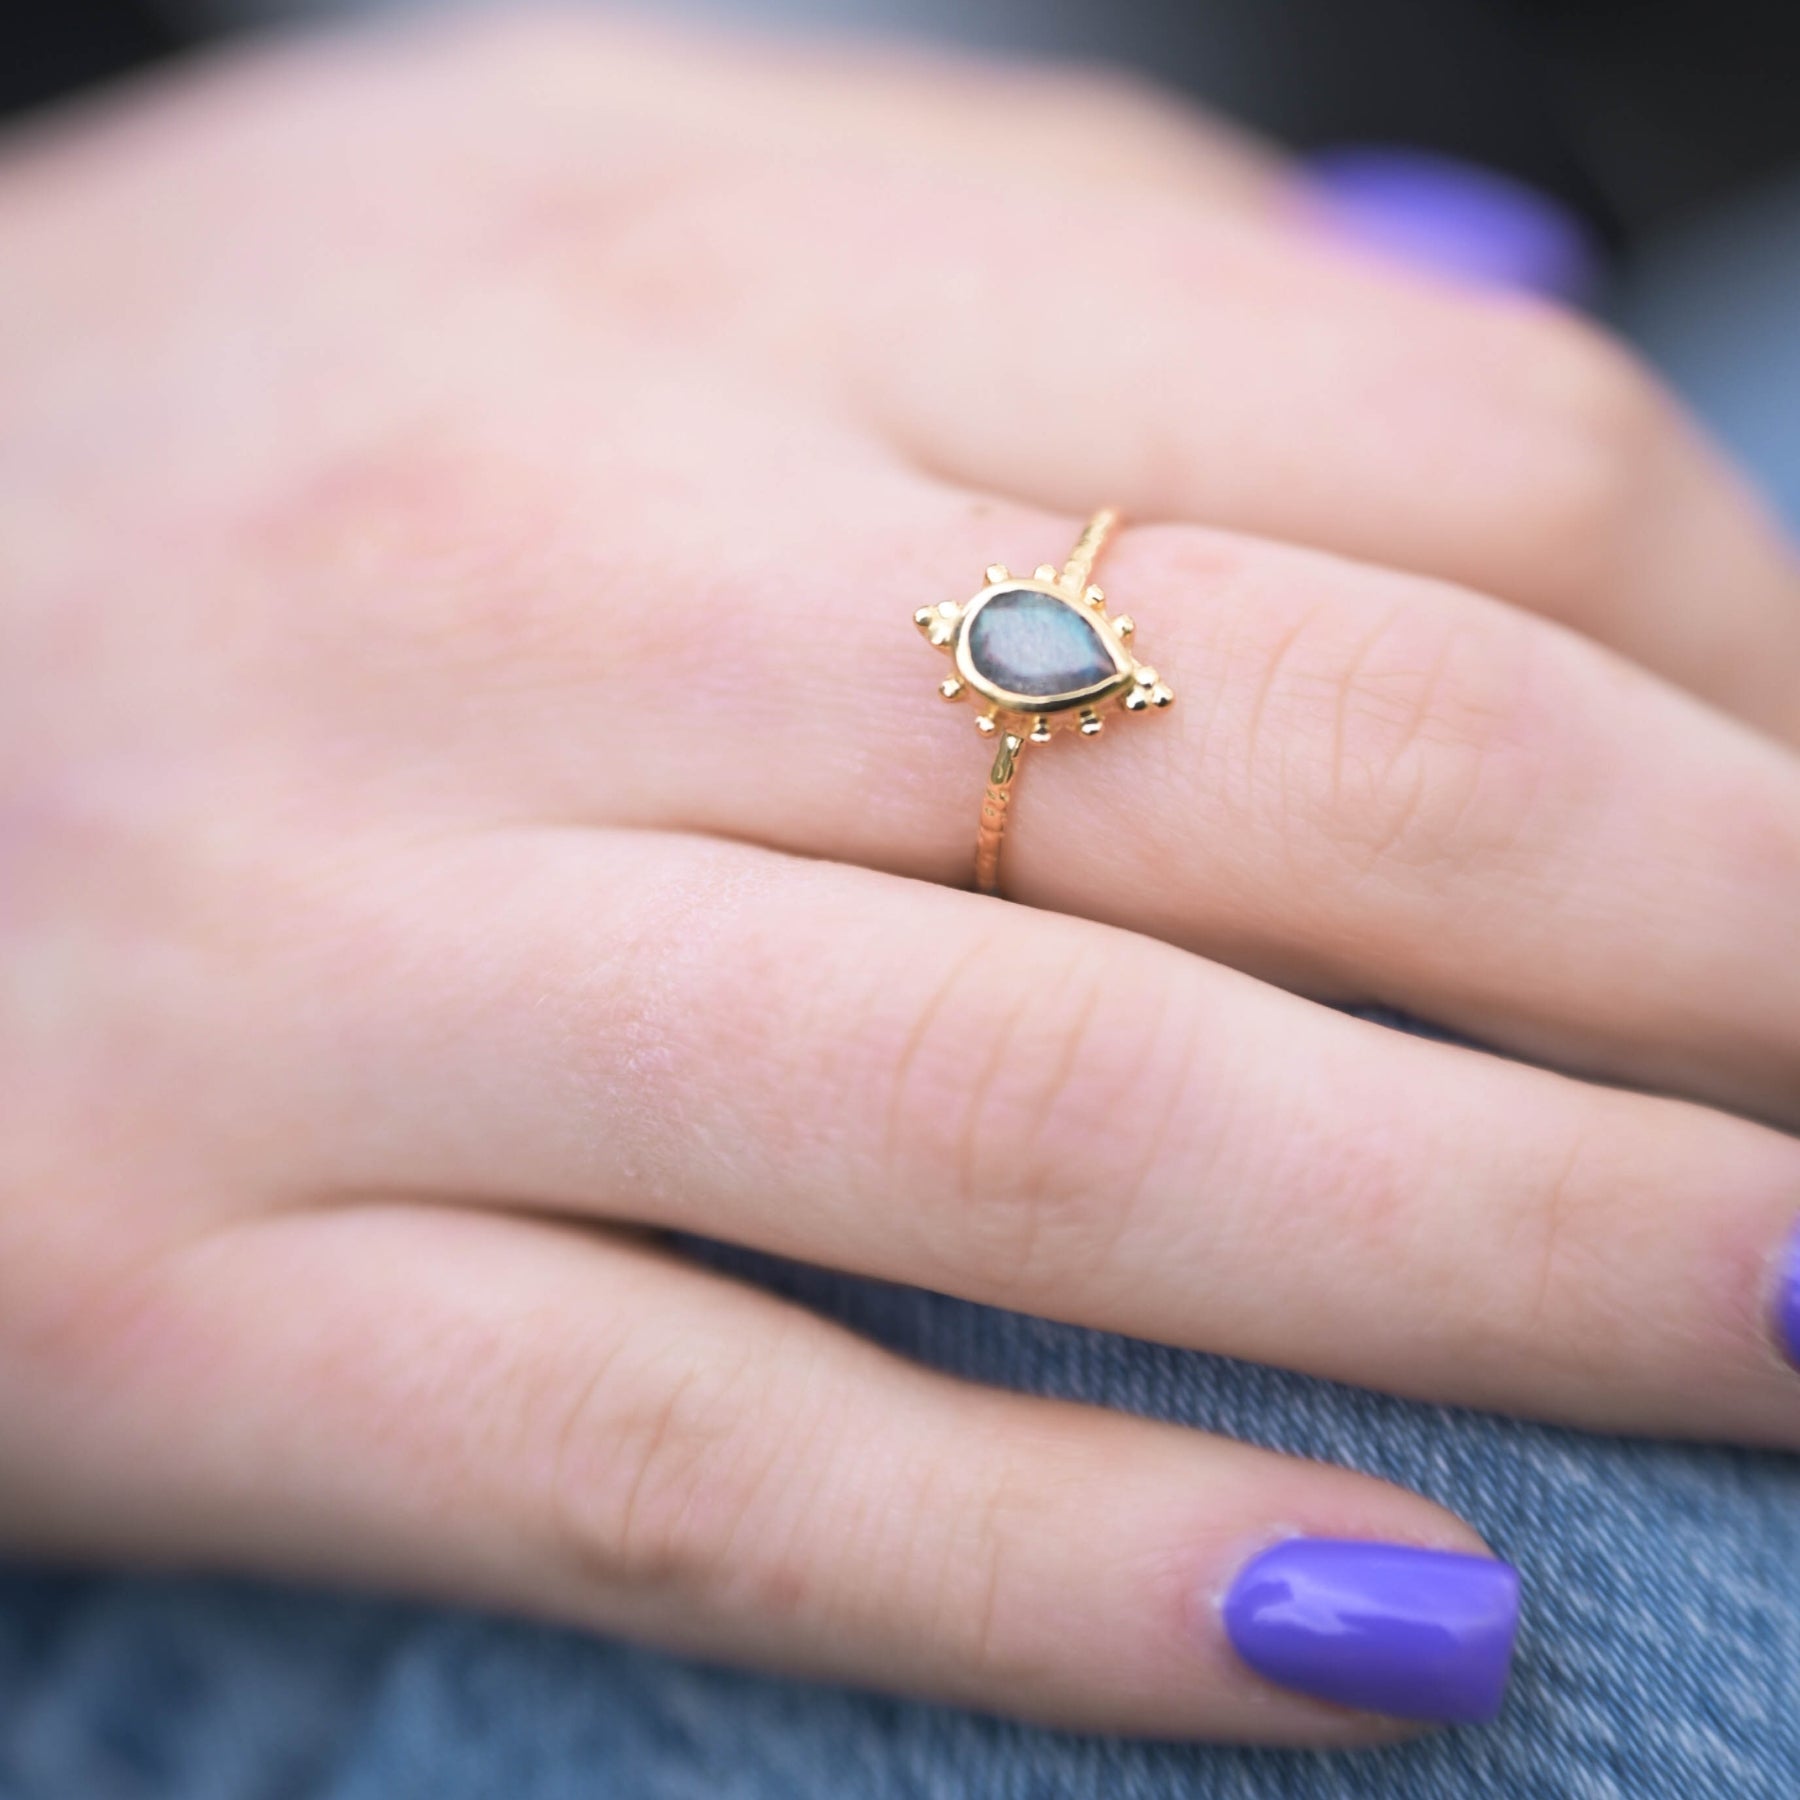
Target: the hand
pixel 470 790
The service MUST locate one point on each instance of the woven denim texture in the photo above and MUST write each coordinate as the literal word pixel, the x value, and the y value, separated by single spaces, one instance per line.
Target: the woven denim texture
pixel 1660 1656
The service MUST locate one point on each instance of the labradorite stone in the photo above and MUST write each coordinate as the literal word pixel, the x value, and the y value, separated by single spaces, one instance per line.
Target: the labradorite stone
pixel 1032 643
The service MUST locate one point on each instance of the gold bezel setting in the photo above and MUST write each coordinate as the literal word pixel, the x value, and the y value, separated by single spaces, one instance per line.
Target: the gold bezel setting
pixel 1026 706
pixel 1017 718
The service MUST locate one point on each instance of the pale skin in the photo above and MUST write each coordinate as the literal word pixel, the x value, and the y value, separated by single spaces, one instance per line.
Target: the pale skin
pixel 471 790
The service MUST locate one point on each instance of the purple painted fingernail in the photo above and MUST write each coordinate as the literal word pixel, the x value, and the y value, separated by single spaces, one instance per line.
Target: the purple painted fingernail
pixel 1787 1299
pixel 1459 218
pixel 1385 1628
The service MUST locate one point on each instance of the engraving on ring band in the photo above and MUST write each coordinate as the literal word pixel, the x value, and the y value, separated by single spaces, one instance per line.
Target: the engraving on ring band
pixel 1038 654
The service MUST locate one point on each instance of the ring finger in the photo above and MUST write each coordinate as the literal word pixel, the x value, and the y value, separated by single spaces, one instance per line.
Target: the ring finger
pixel 1374 786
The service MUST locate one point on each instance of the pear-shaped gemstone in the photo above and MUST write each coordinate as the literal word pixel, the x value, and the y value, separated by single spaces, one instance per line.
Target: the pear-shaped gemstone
pixel 1032 643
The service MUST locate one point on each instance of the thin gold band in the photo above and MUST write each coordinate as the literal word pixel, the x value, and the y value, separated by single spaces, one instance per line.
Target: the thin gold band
pixel 993 812
pixel 1076 574
pixel 1038 654
pixel 1078 571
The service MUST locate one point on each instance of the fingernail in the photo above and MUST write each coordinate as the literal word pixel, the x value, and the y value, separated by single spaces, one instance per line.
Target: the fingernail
pixel 1787 1300
pixel 1456 218
pixel 1385 1628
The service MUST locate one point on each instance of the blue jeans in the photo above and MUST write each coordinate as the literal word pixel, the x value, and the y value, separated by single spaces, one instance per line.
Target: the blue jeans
pixel 1660 1655
pixel 1659 1660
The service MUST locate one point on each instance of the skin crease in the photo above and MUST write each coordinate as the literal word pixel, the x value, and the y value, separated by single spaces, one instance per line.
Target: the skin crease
pixel 462 499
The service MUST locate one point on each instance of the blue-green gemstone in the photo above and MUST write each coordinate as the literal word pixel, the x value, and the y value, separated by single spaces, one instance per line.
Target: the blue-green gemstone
pixel 1032 643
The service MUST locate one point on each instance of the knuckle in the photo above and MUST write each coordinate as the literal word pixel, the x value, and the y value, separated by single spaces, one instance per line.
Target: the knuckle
pixel 1558 1256
pixel 1418 733
pixel 1013 1104
pixel 979 1608
pixel 422 558
pixel 660 1464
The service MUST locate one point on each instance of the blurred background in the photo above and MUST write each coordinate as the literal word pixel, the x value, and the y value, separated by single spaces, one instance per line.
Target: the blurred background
pixel 1639 157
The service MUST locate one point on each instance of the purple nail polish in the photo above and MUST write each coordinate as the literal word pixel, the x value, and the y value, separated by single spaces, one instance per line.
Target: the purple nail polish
pixel 1787 1299
pixel 1385 1628
pixel 1458 218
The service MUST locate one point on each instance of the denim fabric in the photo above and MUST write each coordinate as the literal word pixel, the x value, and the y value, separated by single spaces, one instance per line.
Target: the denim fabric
pixel 112 1688
pixel 1659 1659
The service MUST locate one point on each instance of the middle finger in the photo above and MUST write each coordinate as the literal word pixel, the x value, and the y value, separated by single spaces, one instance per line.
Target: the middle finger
pixel 1036 1112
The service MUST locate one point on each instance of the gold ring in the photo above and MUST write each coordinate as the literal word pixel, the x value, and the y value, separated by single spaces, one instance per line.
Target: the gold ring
pixel 1037 654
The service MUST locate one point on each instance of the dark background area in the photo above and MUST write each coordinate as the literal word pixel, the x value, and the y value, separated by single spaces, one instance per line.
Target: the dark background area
pixel 52 47
pixel 1638 112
